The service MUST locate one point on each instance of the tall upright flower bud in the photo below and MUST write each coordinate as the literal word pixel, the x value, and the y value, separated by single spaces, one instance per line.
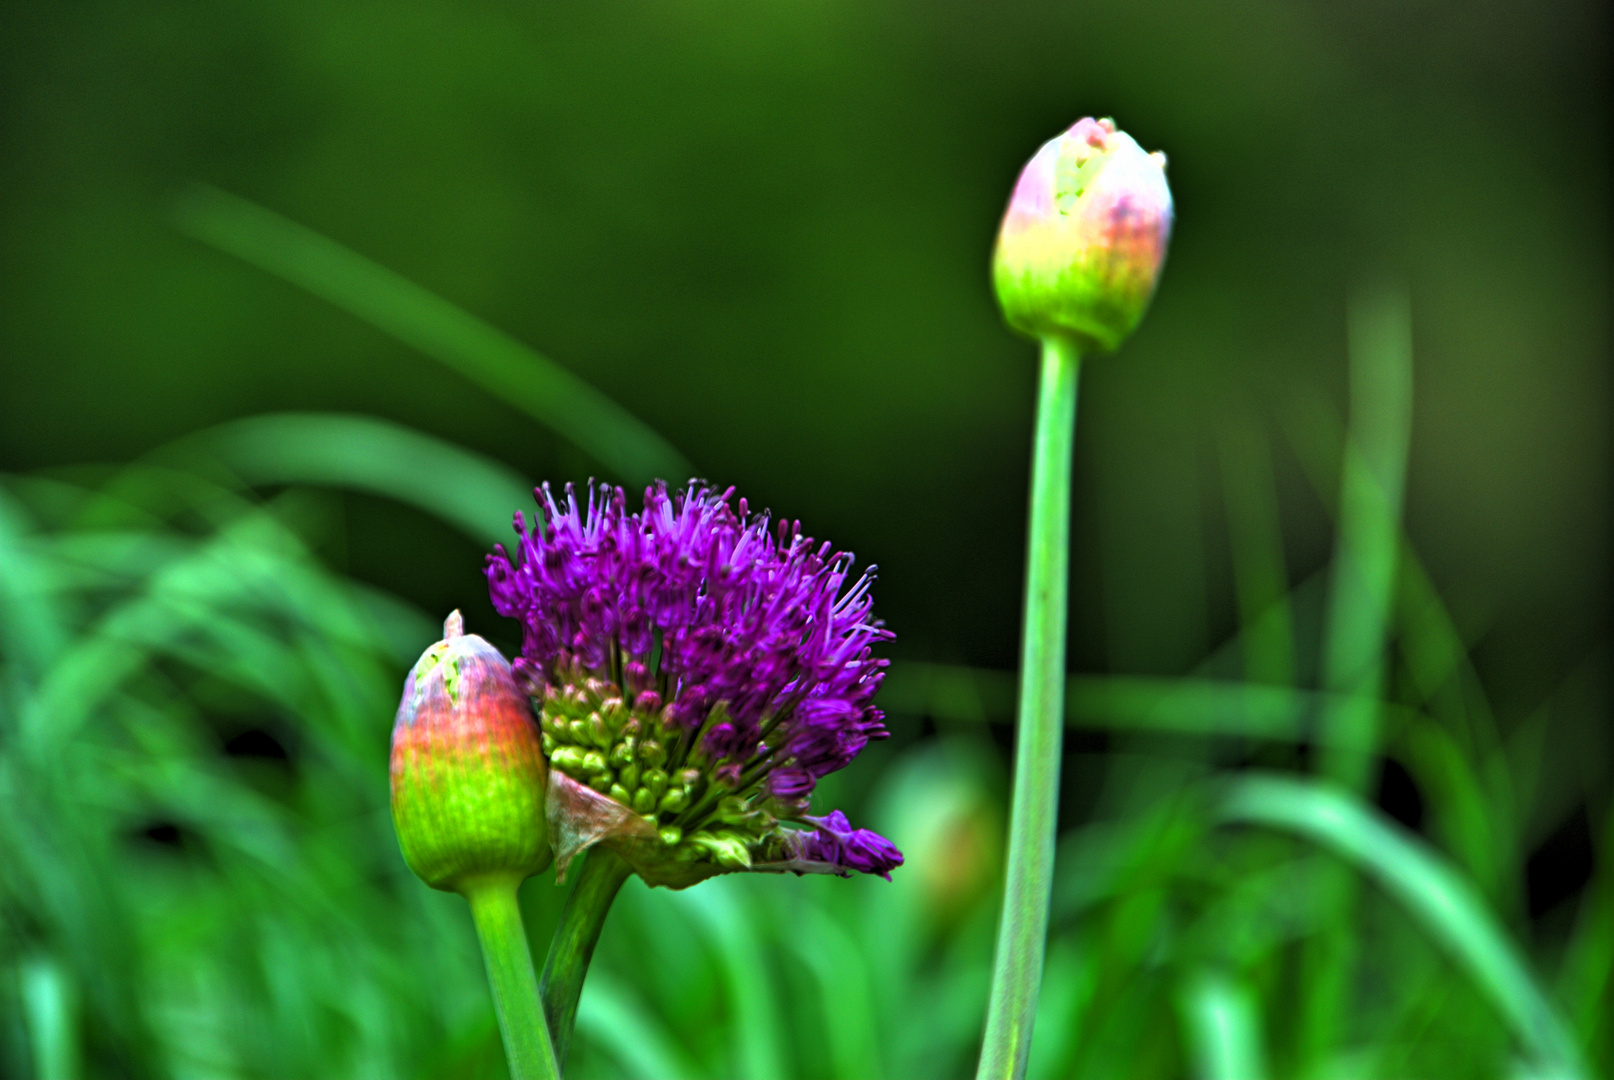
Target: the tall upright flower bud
pixel 1083 238
pixel 468 773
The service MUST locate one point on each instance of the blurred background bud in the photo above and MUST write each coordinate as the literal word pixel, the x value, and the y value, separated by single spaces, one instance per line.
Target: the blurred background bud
pixel 1083 238
pixel 468 776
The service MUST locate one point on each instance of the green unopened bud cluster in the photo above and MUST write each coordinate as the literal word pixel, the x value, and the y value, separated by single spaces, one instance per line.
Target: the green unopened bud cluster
pixel 645 761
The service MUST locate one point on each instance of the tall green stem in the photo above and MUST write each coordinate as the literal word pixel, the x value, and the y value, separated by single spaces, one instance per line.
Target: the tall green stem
pixel 1023 932
pixel 515 987
pixel 573 946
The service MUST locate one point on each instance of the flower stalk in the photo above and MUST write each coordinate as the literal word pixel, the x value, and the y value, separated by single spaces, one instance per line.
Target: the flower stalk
pixel 468 785
pixel 1023 930
pixel 572 948
pixel 1075 266
pixel 503 937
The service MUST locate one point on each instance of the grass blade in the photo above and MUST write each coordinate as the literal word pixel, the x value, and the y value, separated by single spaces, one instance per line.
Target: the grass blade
pixel 1260 578
pixel 1371 485
pixel 1224 1028
pixel 475 494
pixel 447 333
pixel 615 1020
pixel 1450 910
pixel 756 1017
pixel 30 633
pixel 52 1015
pixel 1361 595
pixel 840 969
pixel 1587 979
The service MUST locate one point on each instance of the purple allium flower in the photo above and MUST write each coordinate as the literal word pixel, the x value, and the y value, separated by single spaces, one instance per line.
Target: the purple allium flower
pixel 697 670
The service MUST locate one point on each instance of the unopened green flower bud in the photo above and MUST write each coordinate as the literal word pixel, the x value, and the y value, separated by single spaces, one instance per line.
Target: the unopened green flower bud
pixel 727 849
pixel 656 781
pixel 1083 238
pixel 468 774
pixel 569 758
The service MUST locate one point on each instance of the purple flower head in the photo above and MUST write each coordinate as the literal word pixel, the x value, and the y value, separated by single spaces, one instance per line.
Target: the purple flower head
pixel 700 666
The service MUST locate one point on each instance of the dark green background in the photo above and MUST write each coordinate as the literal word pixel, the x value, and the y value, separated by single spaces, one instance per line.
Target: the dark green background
pixel 764 229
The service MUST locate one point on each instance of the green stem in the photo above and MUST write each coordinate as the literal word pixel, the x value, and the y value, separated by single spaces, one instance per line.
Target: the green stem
pixel 573 946
pixel 1023 932
pixel 515 988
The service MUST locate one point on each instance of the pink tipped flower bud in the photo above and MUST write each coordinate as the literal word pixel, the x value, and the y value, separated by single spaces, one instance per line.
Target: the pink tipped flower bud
pixel 468 773
pixel 1084 236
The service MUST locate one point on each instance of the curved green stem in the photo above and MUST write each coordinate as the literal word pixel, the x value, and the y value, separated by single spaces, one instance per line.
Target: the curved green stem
pixel 573 946
pixel 1023 931
pixel 515 987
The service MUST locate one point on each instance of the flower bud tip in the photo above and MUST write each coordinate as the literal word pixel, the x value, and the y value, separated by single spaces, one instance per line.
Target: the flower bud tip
pixel 1083 237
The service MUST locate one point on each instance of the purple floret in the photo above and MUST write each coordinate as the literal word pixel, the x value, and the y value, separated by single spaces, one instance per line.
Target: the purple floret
pixel 837 844
pixel 692 603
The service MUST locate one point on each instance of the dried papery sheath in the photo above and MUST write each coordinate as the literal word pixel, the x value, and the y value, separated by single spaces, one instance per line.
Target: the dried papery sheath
pixel 468 775
pixel 697 670
pixel 1083 238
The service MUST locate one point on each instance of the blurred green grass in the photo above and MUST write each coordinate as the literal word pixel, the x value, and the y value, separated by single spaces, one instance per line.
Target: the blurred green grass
pixel 201 878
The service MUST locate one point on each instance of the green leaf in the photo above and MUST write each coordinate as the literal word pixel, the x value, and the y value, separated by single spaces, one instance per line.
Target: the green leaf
pixel 473 493
pixel 1260 577
pixel 1364 572
pixel 727 925
pixel 1223 1022
pixel 1451 911
pixel 459 340
pixel 840 970
pixel 612 1016
pixel 30 633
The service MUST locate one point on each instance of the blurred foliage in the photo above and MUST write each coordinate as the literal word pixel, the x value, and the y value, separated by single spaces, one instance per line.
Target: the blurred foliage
pixel 201 878
pixel 762 231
